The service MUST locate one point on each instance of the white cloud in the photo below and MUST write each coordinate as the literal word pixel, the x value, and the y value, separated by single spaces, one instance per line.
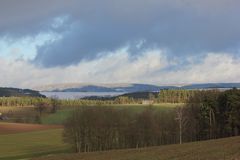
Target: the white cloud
pixel 25 47
pixel 213 68
pixel 152 66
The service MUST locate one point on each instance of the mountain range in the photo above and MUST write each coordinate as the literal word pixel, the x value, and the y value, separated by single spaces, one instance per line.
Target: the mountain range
pixel 129 87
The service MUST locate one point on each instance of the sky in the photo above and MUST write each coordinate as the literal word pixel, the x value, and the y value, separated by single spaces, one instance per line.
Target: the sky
pixel 119 41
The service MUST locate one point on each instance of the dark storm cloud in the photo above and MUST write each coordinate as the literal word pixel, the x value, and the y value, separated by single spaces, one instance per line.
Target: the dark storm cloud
pixel 181 26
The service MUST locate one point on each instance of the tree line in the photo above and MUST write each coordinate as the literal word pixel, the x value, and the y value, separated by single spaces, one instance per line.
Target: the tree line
pixel 179 95
pixel 164 96
pixel 104 128
pixel 217 113
pixel 33 101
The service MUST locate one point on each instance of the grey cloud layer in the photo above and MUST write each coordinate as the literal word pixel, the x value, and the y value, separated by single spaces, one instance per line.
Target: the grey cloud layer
pixel 181 26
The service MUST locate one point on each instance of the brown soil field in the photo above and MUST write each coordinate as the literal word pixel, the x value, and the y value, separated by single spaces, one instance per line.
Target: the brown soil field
pixel 11 128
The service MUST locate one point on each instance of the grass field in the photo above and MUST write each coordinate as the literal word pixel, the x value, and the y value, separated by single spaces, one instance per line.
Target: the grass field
pixel 221 149
pixel 31 144
pixel 48 143
pixel 57 118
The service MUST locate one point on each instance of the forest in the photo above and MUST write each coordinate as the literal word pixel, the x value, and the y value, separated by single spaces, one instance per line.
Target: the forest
pixel 206 115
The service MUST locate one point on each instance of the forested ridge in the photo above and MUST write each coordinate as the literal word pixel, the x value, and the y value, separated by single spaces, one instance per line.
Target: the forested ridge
pixel 16 92
pixel 164 96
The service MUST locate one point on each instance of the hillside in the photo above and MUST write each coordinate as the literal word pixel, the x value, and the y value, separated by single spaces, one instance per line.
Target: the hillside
pixel 16 92
pixel 134 95
pixel 221 149
pixel 78 87
pixel 129 87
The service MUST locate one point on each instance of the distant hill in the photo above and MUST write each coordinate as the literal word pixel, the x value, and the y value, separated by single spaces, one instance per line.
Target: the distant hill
pixel 212 85
pixel 129 88
pixel 102 88
pixel 16 92
pixel 134 95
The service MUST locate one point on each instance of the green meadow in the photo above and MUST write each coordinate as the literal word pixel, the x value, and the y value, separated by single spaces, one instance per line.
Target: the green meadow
pixel 32 144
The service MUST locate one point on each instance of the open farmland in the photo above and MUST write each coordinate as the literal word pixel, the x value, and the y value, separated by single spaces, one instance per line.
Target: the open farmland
pixel 48 142
pixel 31 144
pixel 57 118
pixel 24 141
pixel 221 149
pixel 11 128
